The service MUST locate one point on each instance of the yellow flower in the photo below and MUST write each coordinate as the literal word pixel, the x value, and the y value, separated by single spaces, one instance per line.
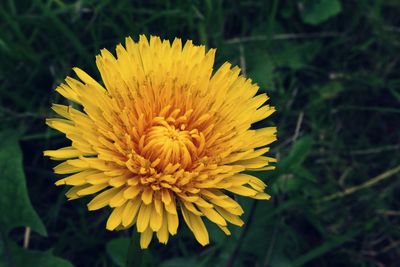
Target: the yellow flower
pixel 163 136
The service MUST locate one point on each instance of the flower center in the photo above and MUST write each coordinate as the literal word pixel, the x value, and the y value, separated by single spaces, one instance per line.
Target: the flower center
pixel 174 134
pixel 172 144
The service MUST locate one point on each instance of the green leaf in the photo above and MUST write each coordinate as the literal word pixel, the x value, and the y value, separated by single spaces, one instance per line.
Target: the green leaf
pixel 294 55
pixel 299 152
pixel 263 63
pixel 315 12
pixel 15 205
pixel 117 249
pixel 14 256
pixel 292 164
pixel 261 71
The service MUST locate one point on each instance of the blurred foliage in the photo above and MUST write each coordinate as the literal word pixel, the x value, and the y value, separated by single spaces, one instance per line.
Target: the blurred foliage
pixel 330 67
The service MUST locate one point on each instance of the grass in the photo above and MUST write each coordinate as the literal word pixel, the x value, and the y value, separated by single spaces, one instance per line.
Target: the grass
pixel 332 70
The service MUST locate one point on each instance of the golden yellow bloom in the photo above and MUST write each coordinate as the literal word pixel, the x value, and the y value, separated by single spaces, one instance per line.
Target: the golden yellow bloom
pixel 163 135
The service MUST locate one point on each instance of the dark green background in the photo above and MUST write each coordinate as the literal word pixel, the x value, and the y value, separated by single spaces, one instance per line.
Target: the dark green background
pixel 331 68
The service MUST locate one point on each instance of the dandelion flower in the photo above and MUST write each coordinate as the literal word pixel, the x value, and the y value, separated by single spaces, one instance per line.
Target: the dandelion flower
pixel 163 137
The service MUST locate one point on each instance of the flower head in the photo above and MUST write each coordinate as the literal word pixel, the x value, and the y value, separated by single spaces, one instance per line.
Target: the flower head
pixel 162 136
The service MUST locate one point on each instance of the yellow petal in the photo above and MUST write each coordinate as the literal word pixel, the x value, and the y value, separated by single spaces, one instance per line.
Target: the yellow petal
pixel 68 92
pixel 173 223
pixel 118 199
pixel 115 218
pixel 162 233
pixel 262 196
pixel 254 163
pixel 238 179
pixel 165 196
pixel 191 207
pixel 63 153
pixel 156 220
pixel 62 125
pixel 262 113
pixel 79 163
pixel 62 110
pixel 132 192
pixel 234 219
pixel 147 196
pixel 158 204
pixel 91 189
pixel 72 192
pixel 102 199
pixel 257 184
pixel 235 211
pixel 224 229
pixel 87 79
pixel 200 202
pixel 144 217
pixel 242 190
pixel 130 211
pixel 197 226
pixel 66 168
pixel 171 207
pixel 76 179
pixel 213 216
pixel 118 181
pixel 97 178
pixel 145 238
pixel 226 202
